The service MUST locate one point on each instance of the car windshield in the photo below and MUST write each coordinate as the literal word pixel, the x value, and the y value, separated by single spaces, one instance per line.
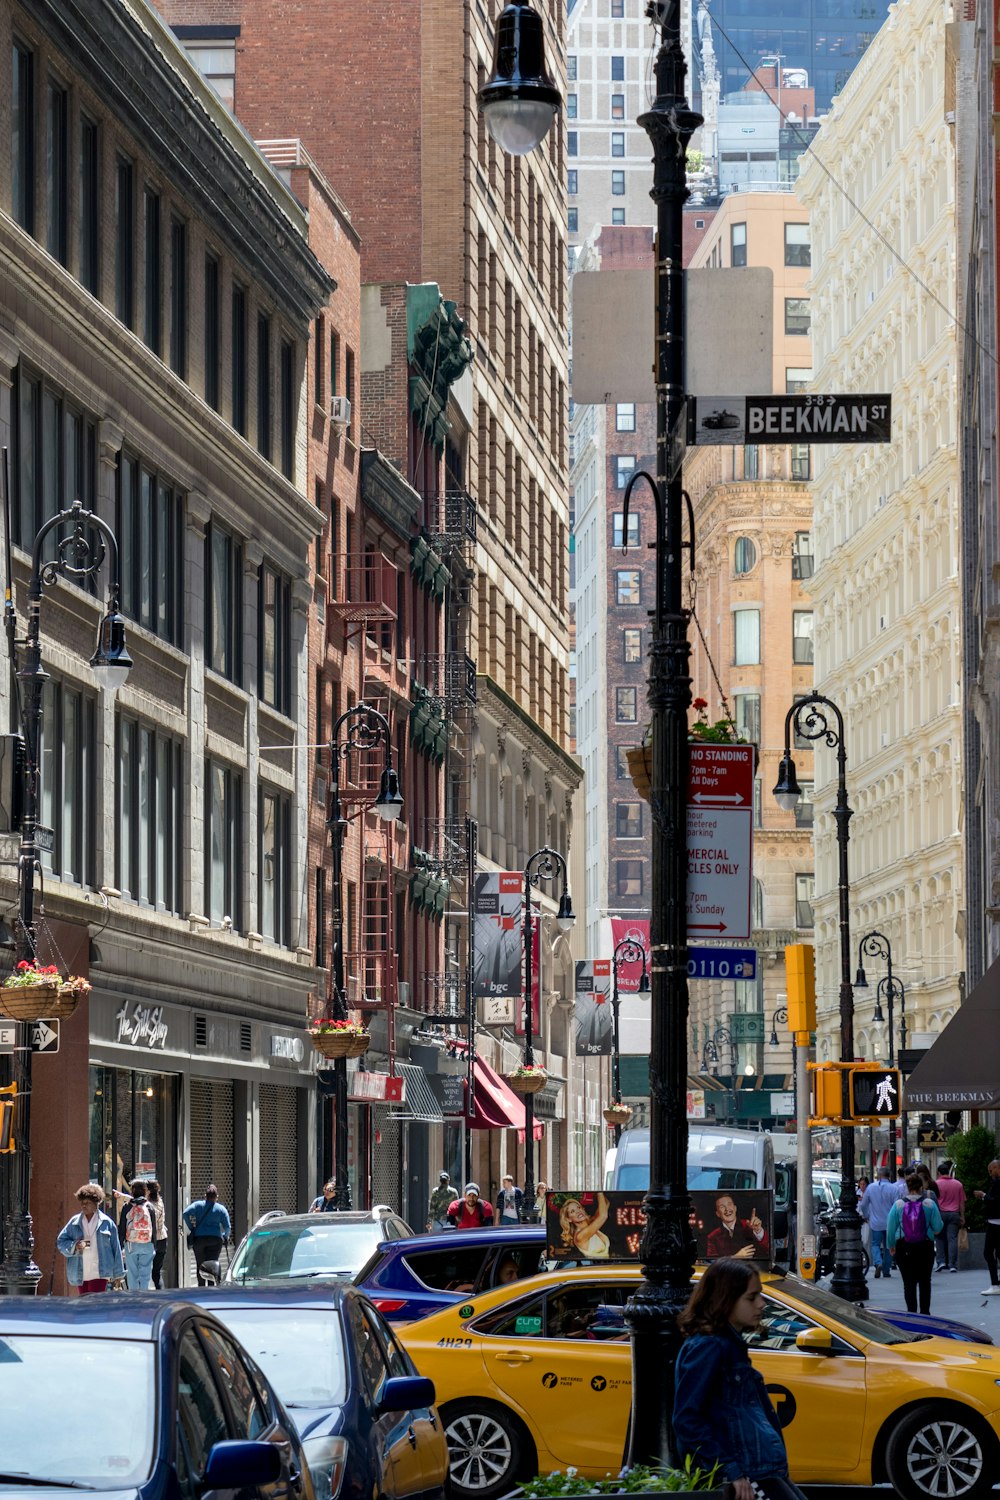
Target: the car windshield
pixel 635 1175
pixel 101 1396
pixel 320 1248
pixel 300 1350
pixel 857 1320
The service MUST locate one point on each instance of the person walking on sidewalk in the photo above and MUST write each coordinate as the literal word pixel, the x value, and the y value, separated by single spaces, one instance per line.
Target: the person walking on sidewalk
pixel 913 1223
pixel 991 1250
pixel 509 1201
pixel 154 1197
pixel 951 1202
pixel 90 1244
pixel 326 1203
pixel 876 1201
pixel 136 1231
pixel 470 1211
pixel 208 1226
pixel 722 1412
pixel 443 1196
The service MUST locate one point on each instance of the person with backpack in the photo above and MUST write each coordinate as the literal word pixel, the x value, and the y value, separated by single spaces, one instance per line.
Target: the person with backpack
pixel 470 1211
pixel 137 1233
pixel 208 1229
pixel 913 1224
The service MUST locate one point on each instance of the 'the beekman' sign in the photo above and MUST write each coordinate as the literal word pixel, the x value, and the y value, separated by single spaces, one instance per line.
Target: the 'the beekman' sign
pixel 744 420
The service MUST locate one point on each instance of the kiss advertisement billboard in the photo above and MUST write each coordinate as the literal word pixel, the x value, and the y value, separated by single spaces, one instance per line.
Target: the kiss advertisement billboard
pixel 588 1226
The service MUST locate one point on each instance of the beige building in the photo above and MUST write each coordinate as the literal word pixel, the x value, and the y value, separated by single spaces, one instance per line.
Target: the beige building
pixel 886 522
pixel 752 645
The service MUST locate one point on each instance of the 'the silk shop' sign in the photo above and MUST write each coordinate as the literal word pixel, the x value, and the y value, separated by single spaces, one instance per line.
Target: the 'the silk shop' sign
pixel 141 1025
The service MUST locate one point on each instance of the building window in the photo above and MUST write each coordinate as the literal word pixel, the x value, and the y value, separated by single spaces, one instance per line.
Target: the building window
pixel 758 803
pixel 320 950
pixel 349 390
pixel 805 888
pixel 274 644
pixel 799 461
pixel 737 244
pixel 627 705
pixel 798 378
pixel 801 741
pixel 238 358
pixel 618 183
pixel 264 398
pixel 571 105
pixel 286 415
pixel 274 894
pixel 622 772
pixel 55 455
pixel 151 548
pixel 224 603
pixel 334 363
pixel 617 216
pixel 224 843
pixel 622 536
pixel 798 250
pixel 631 645
pixel 756 905
pixel 746 636
pixel 805 807
pixel 617 70
pixel 212 332
pixel 802 556
pixel 215 60
pixel 617 106
pixel 628 877
pixel 571 68
pixel 573 220
pixel 617 9
pixel 572 143
pixel 57 173
pixel 617 143
pixel 628 820
pixel 572 181
pixel 628 586
pixel 68 786
pixel 751 461
pixel 22 138
pixel 802 637
pixel 90 199
pixel 624 469
pixel 797 315
pixel 625 416
pixel 152 320
pixel 744 555
pixel 747 716
pixel 125 242
pixel 148 824
pixel 178 297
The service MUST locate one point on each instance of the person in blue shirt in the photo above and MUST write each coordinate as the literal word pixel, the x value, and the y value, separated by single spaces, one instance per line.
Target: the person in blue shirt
pixel 208 1226
pixel 722 1413
pixel 876 1201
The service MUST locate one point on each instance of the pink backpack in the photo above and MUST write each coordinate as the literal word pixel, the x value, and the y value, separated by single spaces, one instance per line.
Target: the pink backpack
pixel 139 1225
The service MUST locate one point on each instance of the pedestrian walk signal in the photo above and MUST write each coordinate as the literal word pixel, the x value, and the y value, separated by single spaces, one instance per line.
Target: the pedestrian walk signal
pixel 875 1094
pixel 8 1097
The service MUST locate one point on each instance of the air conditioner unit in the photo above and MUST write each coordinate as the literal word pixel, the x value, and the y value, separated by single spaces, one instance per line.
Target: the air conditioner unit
pixel 340 410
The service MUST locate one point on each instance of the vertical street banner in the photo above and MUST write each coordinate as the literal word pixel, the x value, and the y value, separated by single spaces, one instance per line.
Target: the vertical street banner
pixel 536 982
pixel 496 910
pixel 594 1023
pixel 636 930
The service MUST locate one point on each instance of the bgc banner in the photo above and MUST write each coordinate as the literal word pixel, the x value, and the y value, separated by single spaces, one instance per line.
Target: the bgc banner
pixel 636 929
pixel 594 1023
pixel 496 910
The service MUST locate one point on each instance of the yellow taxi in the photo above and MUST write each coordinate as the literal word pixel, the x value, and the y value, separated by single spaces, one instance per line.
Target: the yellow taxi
pixel 537 1376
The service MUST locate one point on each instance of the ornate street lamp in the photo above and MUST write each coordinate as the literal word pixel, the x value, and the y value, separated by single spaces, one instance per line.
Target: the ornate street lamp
pixel 781 1014
pixel 628 951
pixel 79 556
pixel 359 730
pixel 817 718
pixel 544 864
pixel 520 100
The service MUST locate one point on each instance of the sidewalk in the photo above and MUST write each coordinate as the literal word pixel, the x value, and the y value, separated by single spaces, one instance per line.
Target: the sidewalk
pixel 957 1296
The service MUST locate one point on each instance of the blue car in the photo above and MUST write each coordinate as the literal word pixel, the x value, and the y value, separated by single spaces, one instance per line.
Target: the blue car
pixel 138 1397
pixel 365 1417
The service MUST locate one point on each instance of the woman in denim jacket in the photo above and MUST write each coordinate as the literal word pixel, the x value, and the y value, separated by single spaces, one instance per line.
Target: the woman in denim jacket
pixel 722 1413
pixel 90 1244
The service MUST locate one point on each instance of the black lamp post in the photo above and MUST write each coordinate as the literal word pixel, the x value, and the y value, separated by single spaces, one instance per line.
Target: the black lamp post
pixel 359 730
pixel 520 83
pixel 709 1054
pixel 628 951
pixel 544 864
pixel 781 1014
pixel 877 945
pixel 817 718
pixel 79 556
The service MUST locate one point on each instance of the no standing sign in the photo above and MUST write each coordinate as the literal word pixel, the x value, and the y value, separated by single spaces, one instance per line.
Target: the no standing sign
pixel 719 841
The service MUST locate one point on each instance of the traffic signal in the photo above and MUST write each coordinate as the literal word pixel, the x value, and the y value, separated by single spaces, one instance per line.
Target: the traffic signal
pixel 800 983
pixel 8 1097
pixel 874 1094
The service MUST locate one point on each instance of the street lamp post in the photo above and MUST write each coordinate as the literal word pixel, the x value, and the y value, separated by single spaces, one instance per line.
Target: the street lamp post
pixel 877 945
pixel 359 730
pixel 628 951
pixel 817 718
pixel 521 87
pixel 544 864
pixel 79 556
pixel 781 1014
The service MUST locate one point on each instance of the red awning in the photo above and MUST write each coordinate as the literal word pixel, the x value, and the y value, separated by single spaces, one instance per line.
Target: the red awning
pixel 496 1106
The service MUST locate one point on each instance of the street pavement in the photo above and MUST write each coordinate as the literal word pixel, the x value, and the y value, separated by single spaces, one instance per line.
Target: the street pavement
pixel 958 1296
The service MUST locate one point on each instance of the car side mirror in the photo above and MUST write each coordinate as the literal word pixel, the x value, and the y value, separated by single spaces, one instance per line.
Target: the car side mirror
pixel 815 1341
pixel 406 1393
pixel 241 1465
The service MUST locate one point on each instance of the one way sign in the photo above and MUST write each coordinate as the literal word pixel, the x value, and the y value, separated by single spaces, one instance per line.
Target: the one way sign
pixel 45 1036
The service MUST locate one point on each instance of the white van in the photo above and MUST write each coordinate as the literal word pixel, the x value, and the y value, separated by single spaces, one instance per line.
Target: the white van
pixel 717 1158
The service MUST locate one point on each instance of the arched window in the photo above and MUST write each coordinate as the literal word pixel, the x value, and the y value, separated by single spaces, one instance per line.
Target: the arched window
pixel 756 904
pixel 744 555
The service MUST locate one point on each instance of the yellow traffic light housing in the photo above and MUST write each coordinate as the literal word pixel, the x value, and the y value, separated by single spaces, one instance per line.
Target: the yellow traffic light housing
pixel 8 1099
pixel 800 983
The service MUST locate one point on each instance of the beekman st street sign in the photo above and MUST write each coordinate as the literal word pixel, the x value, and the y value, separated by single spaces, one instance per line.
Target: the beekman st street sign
pixel 745 420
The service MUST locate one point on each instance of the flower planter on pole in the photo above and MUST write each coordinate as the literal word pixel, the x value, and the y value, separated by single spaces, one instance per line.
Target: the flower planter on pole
pixel 527 1081
pixel 341 1042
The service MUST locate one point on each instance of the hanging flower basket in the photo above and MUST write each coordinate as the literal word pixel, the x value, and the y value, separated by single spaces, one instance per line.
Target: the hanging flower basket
pixel 71 992
pixel 31 993
pixel 617 1114
pixel 340 1039
pixel 527 1080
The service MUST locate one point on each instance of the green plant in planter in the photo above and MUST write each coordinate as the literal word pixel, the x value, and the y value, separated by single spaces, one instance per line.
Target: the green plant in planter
pixel 639 1480
pixel 722 732
pixel 972 1151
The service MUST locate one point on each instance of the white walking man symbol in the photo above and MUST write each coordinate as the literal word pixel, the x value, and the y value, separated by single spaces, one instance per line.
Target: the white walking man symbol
pixel 885 1095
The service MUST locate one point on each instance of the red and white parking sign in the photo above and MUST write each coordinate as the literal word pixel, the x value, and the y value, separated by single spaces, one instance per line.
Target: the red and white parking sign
pixel 719 842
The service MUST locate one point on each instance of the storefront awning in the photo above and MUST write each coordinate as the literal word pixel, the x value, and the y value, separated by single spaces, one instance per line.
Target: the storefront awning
pixel 496 1106
pixel 962 1067
pixel 419 1103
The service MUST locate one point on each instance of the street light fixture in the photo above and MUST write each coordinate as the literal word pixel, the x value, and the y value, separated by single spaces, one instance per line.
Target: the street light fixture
pixel 79 556
pixel 630 952
pixel 815 717
pixel 667 1250
pixel 364 730
pixel 877 945
pixel 781 1014
pixel 544 864
pixel 520 100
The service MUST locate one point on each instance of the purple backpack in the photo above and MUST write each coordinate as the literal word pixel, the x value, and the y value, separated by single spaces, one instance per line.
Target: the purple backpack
pixel 914 1222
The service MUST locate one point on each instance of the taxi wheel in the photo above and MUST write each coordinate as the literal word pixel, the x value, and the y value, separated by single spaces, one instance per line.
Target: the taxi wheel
pixel 942 1451
pixel 485 1449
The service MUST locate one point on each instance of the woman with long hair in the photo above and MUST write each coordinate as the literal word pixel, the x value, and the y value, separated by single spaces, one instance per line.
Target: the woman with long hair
pixel 722 1413
pixel 154 1200
pixel 581 1231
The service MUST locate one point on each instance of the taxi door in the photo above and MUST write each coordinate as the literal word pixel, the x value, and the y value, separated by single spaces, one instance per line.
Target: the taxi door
pixel 564 1358
pixel 819 1398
